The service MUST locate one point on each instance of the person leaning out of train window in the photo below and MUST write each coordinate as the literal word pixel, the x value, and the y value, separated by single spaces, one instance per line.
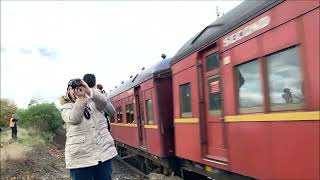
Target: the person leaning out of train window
pixel 89 146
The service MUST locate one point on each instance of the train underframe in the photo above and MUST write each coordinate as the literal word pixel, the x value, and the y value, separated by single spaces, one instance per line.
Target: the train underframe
pixel 145 163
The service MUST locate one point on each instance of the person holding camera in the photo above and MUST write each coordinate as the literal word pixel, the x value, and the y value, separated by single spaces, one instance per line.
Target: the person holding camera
pixel 89 146
pixel 13 126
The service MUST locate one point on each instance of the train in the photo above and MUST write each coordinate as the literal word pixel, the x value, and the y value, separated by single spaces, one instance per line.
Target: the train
pixel 240 99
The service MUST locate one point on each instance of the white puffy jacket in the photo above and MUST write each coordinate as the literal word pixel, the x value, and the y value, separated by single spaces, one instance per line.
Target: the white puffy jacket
pixel 88 140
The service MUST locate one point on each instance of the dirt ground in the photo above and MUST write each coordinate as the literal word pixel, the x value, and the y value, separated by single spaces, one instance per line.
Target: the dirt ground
pixel 29 158
pixel 47 163
pixel 37 162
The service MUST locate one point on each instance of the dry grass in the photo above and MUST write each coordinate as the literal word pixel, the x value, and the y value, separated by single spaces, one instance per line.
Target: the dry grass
pixel 18 149
pixel 14 152
pixel 27 137
pixel 29 157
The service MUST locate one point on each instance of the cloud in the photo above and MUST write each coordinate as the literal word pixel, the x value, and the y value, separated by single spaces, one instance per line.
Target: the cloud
pixel 48 43
pixel 25 51
pixel 27 76
pixel 47 52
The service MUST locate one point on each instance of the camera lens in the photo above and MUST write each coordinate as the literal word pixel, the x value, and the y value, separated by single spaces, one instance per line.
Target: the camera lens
pixel 77 82
pixel 74 83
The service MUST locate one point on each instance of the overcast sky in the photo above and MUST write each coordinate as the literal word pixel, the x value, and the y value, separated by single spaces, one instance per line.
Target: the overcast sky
pixel 46 43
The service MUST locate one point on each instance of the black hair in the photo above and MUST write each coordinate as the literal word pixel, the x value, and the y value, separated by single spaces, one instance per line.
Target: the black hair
pixel 68 97
pixel 90 79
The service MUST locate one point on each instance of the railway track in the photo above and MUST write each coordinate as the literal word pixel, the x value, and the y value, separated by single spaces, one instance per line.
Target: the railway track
pixel 132 167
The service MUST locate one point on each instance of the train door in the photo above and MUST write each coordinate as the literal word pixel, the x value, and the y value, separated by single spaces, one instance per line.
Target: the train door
pixel 140 117
pixel 215 148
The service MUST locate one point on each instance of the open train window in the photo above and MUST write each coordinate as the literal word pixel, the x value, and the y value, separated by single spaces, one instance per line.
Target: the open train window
pixel 112 119
pixel 185 100
pixel 249 87
pixel 149 111
pixel 285 80
pixel 212 62
pixel 215 99
pixel 129 113
pixel 119 114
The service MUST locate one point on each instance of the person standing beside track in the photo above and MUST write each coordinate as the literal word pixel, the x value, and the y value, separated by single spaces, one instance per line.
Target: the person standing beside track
pixel 89 145
pixel 100 87
pixel 13 126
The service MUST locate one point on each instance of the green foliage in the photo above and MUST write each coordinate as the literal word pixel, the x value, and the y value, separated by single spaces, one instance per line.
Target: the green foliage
pixel 7 108
pixel 44 117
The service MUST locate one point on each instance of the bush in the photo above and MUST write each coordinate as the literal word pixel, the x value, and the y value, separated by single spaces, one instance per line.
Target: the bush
pixel 7 108
pixel 44 117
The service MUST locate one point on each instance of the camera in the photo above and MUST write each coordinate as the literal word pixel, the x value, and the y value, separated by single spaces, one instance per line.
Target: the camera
pixel 74 83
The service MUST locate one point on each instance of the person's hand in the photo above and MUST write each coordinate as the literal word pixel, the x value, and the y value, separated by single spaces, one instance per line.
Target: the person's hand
pixel 85 88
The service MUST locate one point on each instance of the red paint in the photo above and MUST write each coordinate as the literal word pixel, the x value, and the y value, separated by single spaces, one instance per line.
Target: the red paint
pixel 126 135
pixel 187 141
pixel 186 76
pixel 151 139
pixel 154 145
pixel 310 46
pixel 263 150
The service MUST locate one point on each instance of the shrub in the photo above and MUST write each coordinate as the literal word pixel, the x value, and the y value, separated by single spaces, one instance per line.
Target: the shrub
pixel 7 108
pixel 44 117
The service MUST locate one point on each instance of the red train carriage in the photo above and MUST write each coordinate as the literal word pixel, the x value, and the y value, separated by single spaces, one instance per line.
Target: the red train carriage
pixel 246 92
pixel 142 124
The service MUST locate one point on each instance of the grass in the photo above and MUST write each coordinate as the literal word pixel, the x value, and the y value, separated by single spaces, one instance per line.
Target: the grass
pixel 18 149
pixel 27 137
pixel 29 157
pixel 14 152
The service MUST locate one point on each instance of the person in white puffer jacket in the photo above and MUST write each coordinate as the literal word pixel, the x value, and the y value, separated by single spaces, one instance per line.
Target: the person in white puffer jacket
pixel 89 145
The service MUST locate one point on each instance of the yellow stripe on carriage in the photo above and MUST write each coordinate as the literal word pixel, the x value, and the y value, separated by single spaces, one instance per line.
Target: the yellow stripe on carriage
pixel 151 126
pixel 289 116
pixel 124 124
pixel 186 120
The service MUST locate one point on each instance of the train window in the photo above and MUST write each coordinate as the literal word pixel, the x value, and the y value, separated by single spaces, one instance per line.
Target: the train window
pixel 149 111
pixel 214 91
pixel 249 87
pixel 285 80
pixel 212 61
pixel 119 114
pixel 185 100
pixel 112 119
pixel 129 113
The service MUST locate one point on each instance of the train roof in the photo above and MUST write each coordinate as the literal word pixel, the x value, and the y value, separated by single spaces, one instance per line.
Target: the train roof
pixel 238 16
pixel 146 74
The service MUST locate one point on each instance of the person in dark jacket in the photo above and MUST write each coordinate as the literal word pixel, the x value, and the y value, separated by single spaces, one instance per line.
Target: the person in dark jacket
pixel 90 79
pixel 100 87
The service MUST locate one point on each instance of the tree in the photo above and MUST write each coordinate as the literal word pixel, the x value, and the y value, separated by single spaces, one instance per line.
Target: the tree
pixel 35 100
pixel 8 107
pixel 44 117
